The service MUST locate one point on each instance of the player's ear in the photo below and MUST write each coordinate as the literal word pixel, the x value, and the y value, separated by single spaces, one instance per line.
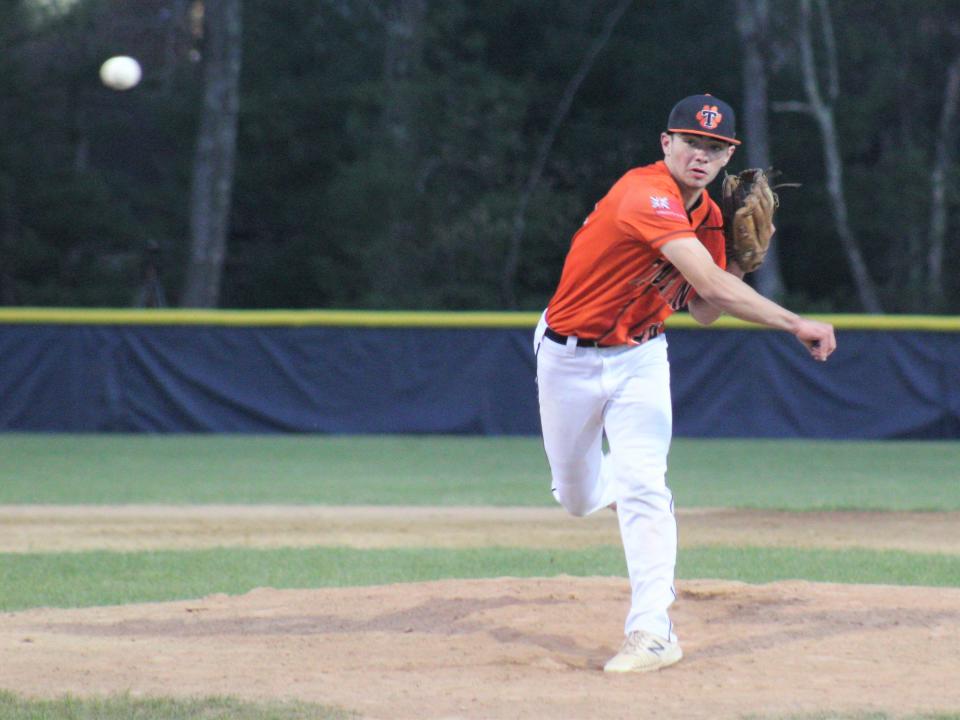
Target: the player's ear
pixel 665 140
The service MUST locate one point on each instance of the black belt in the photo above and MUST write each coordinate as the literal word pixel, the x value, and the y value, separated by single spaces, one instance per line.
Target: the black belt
pixel 562 339
pixel 649 334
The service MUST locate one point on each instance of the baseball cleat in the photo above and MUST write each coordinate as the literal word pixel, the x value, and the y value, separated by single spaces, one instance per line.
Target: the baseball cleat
pixel 644 652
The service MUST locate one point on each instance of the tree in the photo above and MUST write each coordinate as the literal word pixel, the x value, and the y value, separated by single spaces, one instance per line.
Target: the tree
pixel 943 160
pixel 439 155
pixel 819 106
pixel 512 262
pixel 213 167
pixel 753 27
pixel 403 25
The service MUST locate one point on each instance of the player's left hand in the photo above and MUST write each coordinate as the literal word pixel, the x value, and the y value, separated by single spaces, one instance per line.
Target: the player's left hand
pixel 818 337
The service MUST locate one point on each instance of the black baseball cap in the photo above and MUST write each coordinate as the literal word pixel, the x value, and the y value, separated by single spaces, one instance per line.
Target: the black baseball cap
pixel 704 115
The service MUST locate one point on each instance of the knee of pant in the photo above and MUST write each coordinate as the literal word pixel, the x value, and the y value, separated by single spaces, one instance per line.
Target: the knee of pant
pixel 572 502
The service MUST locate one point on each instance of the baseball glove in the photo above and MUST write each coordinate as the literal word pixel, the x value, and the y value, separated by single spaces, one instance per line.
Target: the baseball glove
pixel 748 204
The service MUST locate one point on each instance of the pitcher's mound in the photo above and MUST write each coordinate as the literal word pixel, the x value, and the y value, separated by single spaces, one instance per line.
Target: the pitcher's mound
pixel 508 648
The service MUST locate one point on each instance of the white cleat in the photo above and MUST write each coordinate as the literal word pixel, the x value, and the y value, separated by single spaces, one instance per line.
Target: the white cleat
pixel 644 652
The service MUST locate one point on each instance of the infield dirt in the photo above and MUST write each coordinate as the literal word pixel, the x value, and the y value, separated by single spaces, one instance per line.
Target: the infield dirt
pixel 497 648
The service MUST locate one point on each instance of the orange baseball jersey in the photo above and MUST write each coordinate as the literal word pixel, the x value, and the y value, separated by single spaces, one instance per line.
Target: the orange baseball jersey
pixel 616 287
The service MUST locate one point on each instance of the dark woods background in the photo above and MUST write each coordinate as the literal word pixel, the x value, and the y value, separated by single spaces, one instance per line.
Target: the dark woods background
pixel 439 154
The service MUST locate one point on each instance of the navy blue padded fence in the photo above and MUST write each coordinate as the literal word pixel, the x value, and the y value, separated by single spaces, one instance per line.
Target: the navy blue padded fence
pixel 200 378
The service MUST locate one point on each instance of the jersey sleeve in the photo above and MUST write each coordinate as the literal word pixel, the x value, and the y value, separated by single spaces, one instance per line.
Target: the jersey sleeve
pixel 653 216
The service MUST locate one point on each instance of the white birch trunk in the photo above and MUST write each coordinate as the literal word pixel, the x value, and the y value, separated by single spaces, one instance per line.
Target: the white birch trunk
pixel 943 158
pixel 822 112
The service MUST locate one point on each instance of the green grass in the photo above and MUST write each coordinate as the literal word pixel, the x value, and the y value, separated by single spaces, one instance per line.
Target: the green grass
pixel 297 469
pixel 123 707
pixel 874 567
pixel 816 475
pixel 431 470
pixel 107 578
pixel 113 578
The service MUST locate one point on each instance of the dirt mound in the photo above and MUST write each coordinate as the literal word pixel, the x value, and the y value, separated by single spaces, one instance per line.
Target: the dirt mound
pixel 507 648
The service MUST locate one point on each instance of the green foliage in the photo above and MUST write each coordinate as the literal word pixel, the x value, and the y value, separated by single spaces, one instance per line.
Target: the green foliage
pixel 362 182
pixel 86 173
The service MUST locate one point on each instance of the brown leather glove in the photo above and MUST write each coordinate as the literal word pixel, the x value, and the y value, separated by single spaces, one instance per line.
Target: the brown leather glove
pixel 748 204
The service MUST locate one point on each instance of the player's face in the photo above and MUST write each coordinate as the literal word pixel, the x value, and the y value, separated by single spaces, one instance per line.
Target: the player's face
pixel 694 160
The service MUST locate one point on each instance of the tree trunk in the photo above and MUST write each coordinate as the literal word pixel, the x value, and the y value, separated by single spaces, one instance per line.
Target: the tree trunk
pixel 822 113
pixel 213 164
pixel 511 265
pixel 402 57
pixel 753 28
pixel 176 28
pixel 403 53
pixel 9 234
pixel 943 158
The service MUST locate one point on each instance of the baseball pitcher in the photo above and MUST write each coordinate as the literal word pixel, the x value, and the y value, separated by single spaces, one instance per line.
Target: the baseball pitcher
pixel 656 243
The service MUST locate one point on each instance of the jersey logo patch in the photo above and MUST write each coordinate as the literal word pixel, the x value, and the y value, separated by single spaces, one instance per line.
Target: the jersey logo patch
pixel 709 117
pixel 665 206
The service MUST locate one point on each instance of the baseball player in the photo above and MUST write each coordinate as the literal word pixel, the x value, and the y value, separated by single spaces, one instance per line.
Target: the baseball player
pixel 653 245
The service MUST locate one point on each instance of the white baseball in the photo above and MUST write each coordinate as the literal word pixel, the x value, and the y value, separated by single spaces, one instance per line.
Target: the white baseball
pixel 120 72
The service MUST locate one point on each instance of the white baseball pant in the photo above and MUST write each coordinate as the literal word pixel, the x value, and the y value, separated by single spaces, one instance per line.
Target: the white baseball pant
pixel 624 393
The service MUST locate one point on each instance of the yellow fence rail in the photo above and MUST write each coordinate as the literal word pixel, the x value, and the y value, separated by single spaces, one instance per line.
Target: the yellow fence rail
pixel 401 318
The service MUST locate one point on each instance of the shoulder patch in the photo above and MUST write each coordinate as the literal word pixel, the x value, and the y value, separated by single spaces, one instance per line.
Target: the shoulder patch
pixel 666 206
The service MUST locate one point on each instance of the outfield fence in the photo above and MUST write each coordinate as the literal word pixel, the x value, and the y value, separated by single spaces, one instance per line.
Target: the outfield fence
pixel 365 372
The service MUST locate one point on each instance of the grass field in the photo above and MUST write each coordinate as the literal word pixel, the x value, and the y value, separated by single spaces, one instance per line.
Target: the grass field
pixel 126 708
pixel 115 578
pixel 110 469
pixel 430 470
pixel 187 470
